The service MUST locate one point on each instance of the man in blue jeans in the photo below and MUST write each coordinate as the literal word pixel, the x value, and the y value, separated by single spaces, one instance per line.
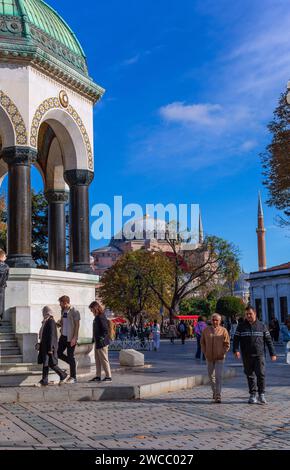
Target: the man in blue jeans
pixel 69 324
pixel 200 326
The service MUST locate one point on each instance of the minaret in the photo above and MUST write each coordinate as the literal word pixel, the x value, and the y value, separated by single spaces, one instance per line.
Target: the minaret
pixel 200 230
pixel 261 237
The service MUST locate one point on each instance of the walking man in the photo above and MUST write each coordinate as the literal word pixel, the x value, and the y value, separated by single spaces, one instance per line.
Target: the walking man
pixel 102 341
pixel 69 324
pixel 252 336
pixel 215 343
pixel 4 272
pixel 182 330
pixel 200 326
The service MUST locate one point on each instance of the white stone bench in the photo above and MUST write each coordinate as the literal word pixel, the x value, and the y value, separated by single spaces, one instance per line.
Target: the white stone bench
pixel 131 358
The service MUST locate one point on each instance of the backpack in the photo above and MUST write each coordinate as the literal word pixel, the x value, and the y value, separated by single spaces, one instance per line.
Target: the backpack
pixel 111 330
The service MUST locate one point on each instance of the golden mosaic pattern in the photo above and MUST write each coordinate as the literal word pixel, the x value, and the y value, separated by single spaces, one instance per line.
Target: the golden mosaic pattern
pixel 53 103
pixel 15 117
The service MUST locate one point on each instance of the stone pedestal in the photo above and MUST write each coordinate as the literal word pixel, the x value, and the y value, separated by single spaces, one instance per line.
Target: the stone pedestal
pixel 28 290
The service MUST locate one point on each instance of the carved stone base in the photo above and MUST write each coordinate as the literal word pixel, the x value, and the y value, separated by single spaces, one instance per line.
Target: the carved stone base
pixel 20 261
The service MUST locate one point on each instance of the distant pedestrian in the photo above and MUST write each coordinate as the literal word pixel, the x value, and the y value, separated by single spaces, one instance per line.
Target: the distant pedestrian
pixel 156 335
pixel 234 326
pixel 285 330
pixel 47 348
pixel 172 332
pixel 200 326
pixel 182 331
pixel 4 273
pixel 252 336
pixel 190 331
pixel 69 324
pixel 215 343
pixel 101 341
pixel 274 329
pixel 133 331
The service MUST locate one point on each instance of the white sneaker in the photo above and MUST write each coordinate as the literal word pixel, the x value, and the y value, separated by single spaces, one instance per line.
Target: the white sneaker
pixel 261 399
pixel 253 399
pixel 71 380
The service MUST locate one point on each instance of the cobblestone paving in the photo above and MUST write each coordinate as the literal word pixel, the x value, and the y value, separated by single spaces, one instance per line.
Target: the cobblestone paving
pixel 182 420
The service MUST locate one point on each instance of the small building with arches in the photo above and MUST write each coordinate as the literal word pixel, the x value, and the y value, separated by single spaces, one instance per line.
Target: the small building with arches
pixel 46 120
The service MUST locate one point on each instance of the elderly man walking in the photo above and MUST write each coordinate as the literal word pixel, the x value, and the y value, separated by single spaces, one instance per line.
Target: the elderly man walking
pixel 215 343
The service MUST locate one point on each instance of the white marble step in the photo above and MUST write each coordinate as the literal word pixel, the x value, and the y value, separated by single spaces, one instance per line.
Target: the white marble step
pixel 10 358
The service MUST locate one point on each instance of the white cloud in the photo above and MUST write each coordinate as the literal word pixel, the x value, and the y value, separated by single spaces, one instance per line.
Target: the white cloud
pixel 201 114
pixel 225 135
pixel 249 145
pixel 131 61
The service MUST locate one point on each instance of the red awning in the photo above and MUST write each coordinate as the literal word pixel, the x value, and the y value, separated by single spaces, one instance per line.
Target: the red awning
pixel 186 317
pixel 119 320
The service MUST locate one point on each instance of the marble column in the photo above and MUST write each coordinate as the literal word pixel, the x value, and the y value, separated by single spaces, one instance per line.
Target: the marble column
pixel 56 229
pixel 19 160
pixel 79 181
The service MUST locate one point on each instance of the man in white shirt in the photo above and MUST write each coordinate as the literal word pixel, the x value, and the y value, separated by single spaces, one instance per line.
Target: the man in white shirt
pixel 69 324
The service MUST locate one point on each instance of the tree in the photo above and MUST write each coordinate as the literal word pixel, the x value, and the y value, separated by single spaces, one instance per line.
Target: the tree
pixel 232 273
pixel 195 306
pixel 276 160
pixel 39 235
pixel 124 287
pixel 230 306
pixel 3 223
pixel 190 270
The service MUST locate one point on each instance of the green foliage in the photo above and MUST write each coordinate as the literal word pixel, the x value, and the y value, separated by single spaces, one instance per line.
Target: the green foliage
pixel 195 306
pixel 39 229
pixel 125 288
pixel 3 223
pixel 39 235
pixel 275 160
pixel 230 306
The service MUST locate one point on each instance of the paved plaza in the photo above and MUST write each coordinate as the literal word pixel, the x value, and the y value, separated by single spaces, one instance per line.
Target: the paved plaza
pixel 180 420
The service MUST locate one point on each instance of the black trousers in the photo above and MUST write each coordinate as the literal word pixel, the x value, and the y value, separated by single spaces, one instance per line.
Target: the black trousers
pixel 254 366
pixel 183 335
pixel 2 302
pixel 57 370
pixel 69 358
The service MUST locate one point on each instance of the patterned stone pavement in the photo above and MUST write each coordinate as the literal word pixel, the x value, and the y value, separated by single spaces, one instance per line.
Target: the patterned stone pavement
pixel 183 420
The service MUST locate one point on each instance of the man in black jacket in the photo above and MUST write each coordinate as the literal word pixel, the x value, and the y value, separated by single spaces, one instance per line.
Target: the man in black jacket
pixel 252 336
pixel 102 341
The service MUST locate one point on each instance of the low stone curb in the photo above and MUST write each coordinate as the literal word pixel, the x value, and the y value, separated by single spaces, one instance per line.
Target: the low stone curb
pixel 108 392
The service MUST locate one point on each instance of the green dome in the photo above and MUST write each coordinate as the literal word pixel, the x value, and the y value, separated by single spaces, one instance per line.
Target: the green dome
pixel 38 24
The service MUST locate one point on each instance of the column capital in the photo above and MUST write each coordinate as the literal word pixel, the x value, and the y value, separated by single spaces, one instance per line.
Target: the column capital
pixel 19 155
pixel 57 196
pixel 78 177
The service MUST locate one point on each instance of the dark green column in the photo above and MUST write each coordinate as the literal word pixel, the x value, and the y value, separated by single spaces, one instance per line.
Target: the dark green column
pixel 56 229
pixel 19 160
pixel 79 181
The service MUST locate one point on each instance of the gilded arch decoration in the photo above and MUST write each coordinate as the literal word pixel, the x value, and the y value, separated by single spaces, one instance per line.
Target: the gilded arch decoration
pixel 54 103
pixel 15 117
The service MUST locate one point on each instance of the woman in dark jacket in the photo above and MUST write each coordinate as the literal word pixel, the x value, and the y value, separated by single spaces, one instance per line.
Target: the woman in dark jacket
pixel 48 348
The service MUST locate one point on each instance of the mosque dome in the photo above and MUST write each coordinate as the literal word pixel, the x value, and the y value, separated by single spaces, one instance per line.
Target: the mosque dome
pixel 144 228
pixel 30 30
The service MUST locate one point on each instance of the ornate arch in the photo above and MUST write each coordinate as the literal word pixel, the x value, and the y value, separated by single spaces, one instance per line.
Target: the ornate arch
pixel 54 103
pixel 15 117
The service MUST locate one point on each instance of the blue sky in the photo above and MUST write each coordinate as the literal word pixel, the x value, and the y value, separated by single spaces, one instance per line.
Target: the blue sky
pixel 190 87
